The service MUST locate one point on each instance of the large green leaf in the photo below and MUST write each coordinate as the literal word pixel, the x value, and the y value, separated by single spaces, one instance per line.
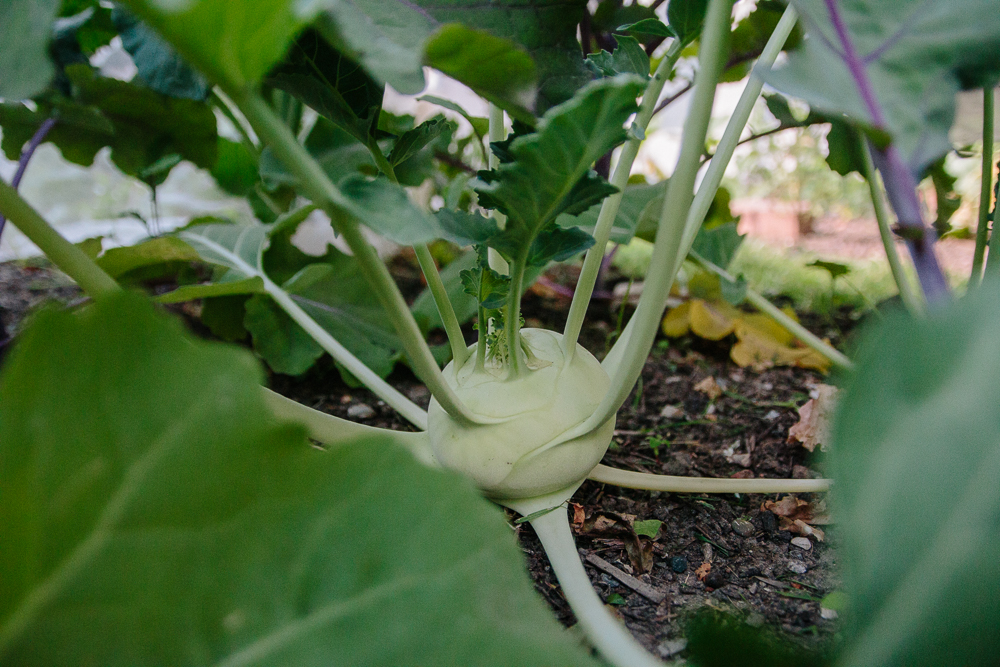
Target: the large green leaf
pixel 159 65
pixel 234 43
pixel 550 172
pixel 186 525
pixel 282 343
pixel 81 130
pixel 148 126
pixel 393 40
pixel 635 198
pixel 916 55
pixel 330 83
pixel 916 463
pixel 386 208
pixel 25 31
pixel 337 296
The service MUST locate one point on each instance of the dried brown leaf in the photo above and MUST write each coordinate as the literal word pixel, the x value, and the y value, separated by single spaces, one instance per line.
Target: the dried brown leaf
pixel 815 419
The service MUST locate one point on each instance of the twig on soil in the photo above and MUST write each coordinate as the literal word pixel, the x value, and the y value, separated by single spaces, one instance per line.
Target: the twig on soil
pixel 640 587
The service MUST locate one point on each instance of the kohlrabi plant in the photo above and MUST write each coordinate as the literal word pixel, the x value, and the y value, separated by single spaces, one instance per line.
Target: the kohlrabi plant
pixel 157 506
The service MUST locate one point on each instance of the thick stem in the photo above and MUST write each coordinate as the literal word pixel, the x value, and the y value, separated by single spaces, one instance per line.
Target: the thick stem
pixel 327 196
pixel 985 191
pixel 332 430
pixel 459 350
pixel 650 482
pixel 22 164
pixel 609 208
pixel 900 184
pixel 512 321
pixel 482 330
pixel 498 132
pixel 676 205
pixel 787 323
pixel 603 630
pixel 910 298
pixel 71 260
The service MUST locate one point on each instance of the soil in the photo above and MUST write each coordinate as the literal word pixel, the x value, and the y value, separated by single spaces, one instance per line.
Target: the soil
pixel 719 551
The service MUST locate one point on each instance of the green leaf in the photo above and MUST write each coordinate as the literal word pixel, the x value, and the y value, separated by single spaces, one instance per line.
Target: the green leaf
pixel 282 259
pixel 222 288
pixel 233 43
pixel 845 153
pixel 187 526
pixel 147 125
pixel 223 315
pixel 917 428
pixel 385 207
pixel 547 29
pixel 634 200
pixel 550 171
pixel 650 528
pixel 236 168
pixel 686 17
pixel 486 286
pixel 734 292
pixel 718 244
pixel 81 131
pixel 25 68
pixel 628 58
pixel 916 58
pixel 282 343
pixel 119 262
pixel 751 35
pixel 948 201
pixel 555 244
pixel 651 27
pixel 336 295
pixel 414 140
pixel 159 65
pixel 835 269
pixel 331 84
pixel 496 68
pixel 466 229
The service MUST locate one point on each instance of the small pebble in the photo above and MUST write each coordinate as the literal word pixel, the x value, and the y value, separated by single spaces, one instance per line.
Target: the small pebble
pixel 827 614
pixel 671 647
pixel 769 522
pixel 671 412
pixel 715 579
pixel 772 415
pixel 679 564
pixel 755 619
pixel 360 411
pixel 742 527
pixel 797 567
pixel 802 543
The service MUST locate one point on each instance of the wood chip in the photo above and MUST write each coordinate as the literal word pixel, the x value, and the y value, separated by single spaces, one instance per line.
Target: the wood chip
pixel 772 582
pixel 640 587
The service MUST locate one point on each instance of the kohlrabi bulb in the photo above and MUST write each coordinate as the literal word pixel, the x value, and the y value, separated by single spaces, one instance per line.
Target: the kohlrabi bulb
pixel 533 410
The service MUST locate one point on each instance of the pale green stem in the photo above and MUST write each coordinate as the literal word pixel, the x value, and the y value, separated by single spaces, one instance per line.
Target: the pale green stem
pixel 428 267
pixel 669 483
pixel 670 231
pixel 512 323
pixel 734 129
pixel 911 299
pixel 409 410
pixel 617 359
pixel 603 630
pixel 498 132
pixel 786 322
pixel 459 350
pixel 609 208
pixel 332 430
pixel 481 343
pixel 985 191
pixel 70 259
pixel 327 196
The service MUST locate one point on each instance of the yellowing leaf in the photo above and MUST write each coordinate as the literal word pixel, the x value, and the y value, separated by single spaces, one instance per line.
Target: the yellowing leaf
pixel 766 325
pixel 713 321
pixel 677 321
pixel 758 349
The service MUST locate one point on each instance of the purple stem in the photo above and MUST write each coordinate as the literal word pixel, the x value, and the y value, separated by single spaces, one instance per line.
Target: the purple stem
pixel 29 150
pixel 900 185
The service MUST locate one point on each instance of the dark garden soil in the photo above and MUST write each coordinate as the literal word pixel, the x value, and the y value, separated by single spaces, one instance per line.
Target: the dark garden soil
pixel 719 551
